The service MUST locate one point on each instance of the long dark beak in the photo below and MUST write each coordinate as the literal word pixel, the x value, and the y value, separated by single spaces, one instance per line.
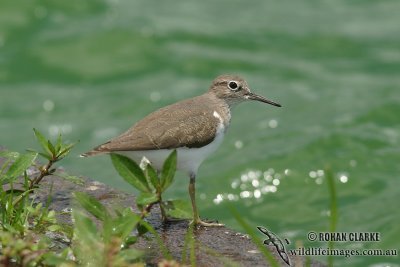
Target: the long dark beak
pixel 253 96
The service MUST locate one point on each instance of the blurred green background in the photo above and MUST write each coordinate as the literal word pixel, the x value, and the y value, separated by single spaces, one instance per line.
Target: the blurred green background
pixel 91 69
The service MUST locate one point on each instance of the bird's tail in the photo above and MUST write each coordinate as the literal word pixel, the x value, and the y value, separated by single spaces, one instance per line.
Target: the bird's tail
pixel 101 149
pixel 93 152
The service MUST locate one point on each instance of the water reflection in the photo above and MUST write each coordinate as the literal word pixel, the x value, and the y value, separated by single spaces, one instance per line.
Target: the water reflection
pixel 343 177
pixel 155 96
pixel 238 144
pixel 48 105
pixel 253 184
pixel 56 129
pixel 318 176
pixel 353 163
pixel 273 123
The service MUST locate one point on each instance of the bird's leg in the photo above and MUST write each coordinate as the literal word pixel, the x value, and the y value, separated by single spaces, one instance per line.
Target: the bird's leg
pixel 192 193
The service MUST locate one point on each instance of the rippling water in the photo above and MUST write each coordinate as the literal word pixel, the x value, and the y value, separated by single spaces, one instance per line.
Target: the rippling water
pixel 92 69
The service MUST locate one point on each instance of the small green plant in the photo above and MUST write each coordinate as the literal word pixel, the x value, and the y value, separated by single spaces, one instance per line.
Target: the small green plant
pixel 24 251
pixel 24 220
pixel 19 176
pixel 111 239
pixel 14 215
pixel 333 210
pixel 190 242
pixel 151 185
pixel 53 153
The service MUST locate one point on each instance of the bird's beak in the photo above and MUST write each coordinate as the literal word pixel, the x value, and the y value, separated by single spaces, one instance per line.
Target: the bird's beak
pixel 252 96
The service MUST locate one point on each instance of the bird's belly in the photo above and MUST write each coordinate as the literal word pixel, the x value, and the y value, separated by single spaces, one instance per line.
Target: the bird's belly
pixel 188 159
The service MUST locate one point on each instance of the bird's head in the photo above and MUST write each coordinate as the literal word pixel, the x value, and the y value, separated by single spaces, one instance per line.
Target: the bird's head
pixel 233 89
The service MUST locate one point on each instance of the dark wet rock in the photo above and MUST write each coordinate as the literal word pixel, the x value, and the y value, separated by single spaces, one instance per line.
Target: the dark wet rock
pixel 215 245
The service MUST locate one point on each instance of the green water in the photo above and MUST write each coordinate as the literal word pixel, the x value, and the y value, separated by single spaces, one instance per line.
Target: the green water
pixel 90 69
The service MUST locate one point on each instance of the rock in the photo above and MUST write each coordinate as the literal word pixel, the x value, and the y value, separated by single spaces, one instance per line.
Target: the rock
pixel 214 243
pixel 215 246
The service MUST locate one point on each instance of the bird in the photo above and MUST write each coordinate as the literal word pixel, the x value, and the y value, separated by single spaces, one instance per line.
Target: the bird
pixel 194 127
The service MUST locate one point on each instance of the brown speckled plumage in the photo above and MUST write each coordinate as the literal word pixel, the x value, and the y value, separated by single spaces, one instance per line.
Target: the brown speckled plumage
pixel 171 127
pixel 188 123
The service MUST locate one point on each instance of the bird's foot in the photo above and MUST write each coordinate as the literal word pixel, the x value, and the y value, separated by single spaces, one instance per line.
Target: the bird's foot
pixel 199 222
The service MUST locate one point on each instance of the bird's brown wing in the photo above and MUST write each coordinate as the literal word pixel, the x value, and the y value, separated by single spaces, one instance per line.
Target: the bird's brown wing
pixel 167 128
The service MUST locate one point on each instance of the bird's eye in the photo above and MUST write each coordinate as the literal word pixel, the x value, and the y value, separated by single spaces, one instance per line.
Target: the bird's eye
pixel 233 85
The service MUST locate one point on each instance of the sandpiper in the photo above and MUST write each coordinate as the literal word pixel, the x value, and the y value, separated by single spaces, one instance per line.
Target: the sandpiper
pixel 194 127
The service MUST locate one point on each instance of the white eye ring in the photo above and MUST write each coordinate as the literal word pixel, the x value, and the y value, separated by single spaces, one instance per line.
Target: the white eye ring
pixel 233 85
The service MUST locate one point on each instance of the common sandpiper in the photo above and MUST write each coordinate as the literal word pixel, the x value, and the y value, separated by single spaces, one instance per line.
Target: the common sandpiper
pixel 195 127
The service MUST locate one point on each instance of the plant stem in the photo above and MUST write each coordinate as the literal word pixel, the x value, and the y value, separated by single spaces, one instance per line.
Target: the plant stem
pixel 44 171
pixel 160 203
pixel 146 210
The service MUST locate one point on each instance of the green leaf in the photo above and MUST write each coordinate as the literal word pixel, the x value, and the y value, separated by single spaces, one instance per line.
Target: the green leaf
pixel 333 209
pixel 107 232
pixel 131 254
pixel 151 174
pixel 46 156
pixel 256 240
pixel 188 239
pixel 161 244
pixel 58 144
pixel 54 227
pixel 123 226
pixel 3 169
pixel 83 223
pixel 42 140
pixel 85 229
pixel 51 148
pixel 65 149
pixel 21 196
pixel 71 178
pixel 130 171
pixel 91 205
pixel 168 171
pixel 9 154
pixel 130 240
pixel 20 165
pixel 52 259
pixel 145 199
pixel 142 230
pixel 178 209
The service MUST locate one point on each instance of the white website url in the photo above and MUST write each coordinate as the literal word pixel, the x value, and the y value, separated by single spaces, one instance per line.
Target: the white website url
pixel 317 251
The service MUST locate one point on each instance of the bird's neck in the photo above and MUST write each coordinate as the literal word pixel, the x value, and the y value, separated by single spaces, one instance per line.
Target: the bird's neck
pixel 221 106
